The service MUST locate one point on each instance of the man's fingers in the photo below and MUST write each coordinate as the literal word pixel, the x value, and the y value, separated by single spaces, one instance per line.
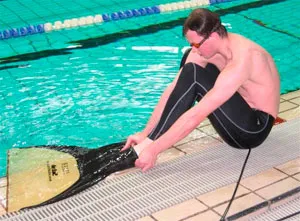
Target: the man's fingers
pixel 147 167
pixel 144 167
pixel 137 163
pixel 127 144
pixel 124 148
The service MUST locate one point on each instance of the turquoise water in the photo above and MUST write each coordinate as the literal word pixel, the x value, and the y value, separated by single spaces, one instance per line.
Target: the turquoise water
pixel 97 85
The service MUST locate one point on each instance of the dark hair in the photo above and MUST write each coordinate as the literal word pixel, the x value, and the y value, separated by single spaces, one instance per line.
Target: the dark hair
pixel 204 22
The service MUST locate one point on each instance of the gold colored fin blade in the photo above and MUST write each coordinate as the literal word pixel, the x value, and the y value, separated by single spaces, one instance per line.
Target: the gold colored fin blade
pixel 36 175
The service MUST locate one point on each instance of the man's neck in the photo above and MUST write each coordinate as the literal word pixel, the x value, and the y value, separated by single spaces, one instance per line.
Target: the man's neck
pixel 224 48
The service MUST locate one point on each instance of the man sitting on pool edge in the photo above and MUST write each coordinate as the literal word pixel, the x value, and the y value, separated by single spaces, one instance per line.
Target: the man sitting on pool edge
pixel 234 80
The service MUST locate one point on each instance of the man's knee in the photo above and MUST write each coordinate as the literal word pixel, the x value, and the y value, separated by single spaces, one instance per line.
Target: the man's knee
pixel 189 67
pixel 188 71
pixel 184 57
pixel 192 69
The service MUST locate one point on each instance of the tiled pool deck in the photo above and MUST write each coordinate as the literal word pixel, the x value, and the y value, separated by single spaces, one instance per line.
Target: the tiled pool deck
pixel 252 190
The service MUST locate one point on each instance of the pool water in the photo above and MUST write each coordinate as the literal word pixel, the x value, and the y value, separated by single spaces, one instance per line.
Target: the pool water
pixel 97 85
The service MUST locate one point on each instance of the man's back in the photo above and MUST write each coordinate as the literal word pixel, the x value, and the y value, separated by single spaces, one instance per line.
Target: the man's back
pixel 262 89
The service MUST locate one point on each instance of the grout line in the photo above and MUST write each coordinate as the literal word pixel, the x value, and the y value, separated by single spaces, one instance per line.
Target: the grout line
pixel 295 174
pixel 287 110
pixel 285 172
pixel 294 103
pixel 251 191
pixel 176 148
pixel 255 193
pixel 227 201
pixel 224 202
pixel 198 213
pixel 297 105
pixel 218 212
pixel 281 171
pixel 187 142
pixel 271 184
pixel 285 99
pixel 190 141
pixel 152 217
pixel 218 139
pixel 294 178
pixel 209 135
pixel 208 207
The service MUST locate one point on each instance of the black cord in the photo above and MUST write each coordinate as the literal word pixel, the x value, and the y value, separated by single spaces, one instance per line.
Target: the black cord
pixel 236 187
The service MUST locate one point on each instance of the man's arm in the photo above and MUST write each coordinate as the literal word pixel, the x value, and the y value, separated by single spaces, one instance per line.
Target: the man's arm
pixel 156 114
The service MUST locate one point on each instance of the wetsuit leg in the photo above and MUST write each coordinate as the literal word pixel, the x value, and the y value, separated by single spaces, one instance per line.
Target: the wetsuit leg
pixel 236 122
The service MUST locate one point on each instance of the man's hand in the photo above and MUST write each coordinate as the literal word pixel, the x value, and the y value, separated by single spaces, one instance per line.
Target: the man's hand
pixel 133 140
pixel 147 159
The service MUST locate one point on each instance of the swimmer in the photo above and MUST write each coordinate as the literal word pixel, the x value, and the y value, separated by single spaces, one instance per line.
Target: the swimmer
pixel 223 76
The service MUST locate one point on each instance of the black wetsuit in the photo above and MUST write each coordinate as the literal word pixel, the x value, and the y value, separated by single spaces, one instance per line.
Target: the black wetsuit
pixel 236 122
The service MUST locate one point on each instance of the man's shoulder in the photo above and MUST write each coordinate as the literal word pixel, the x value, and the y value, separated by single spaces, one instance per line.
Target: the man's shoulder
pixel 249 53
pixel 246 46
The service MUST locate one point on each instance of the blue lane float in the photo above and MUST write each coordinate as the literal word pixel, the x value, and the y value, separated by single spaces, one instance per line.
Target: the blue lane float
pixel 100 18
pixel 23 31
pixel 131 13
pixel 211 2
